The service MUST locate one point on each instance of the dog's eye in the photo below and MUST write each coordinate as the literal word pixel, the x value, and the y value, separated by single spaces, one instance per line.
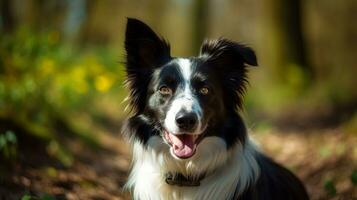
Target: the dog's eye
pixel 165 90
pixel 204 90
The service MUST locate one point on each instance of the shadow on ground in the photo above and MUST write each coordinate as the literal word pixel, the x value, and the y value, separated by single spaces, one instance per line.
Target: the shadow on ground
pixel 324 161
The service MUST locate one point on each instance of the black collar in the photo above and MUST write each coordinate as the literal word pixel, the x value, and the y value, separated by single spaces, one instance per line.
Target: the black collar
pixel 179 179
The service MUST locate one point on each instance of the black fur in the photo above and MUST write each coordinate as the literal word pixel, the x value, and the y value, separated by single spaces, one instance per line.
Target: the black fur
pixel 221 66
pixel 221 58
pixel 274 183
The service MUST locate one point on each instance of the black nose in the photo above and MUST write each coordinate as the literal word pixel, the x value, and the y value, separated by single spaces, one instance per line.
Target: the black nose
pixel 186 121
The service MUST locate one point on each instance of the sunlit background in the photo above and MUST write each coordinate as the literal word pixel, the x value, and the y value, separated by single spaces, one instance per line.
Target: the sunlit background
pixel 62 92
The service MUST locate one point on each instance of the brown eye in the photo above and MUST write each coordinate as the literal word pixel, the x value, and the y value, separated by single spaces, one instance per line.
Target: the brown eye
pixel 204 91
pixel 165 90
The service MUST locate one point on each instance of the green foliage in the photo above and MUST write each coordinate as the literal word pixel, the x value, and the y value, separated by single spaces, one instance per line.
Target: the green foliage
pixel 350 126
pixel 26 197
pixel 51 172
pixel 8 144
pixel 330 188
pixel 47 197
pixel 43 197
pixel 354 177
pixel 59 152
pixel 44 82
pixel 37 70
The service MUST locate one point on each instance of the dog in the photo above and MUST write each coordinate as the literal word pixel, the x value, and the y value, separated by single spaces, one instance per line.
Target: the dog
pixel 188 139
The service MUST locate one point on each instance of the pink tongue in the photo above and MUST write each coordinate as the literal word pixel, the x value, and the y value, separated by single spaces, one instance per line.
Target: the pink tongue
pixel 183 145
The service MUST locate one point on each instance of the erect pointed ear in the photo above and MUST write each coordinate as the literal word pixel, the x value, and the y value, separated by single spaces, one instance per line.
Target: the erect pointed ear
pixel 144 49
pixel 228 51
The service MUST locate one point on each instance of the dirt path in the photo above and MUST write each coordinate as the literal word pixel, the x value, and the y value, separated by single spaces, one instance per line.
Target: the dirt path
pixel 327 158
pixel 324 159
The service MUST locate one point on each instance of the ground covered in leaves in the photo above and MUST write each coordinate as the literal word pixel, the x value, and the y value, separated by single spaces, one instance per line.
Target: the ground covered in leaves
pixel 326 161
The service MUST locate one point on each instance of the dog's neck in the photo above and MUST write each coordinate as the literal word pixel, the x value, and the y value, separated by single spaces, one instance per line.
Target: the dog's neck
pixel 178 179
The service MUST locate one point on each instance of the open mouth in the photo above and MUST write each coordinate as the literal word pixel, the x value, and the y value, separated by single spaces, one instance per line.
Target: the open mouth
pixel 183 145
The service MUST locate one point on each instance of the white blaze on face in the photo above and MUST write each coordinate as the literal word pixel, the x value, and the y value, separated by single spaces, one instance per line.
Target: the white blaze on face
pixel 184 101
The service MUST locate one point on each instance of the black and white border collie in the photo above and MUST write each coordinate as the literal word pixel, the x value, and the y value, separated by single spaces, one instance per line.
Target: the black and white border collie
pixel 188 139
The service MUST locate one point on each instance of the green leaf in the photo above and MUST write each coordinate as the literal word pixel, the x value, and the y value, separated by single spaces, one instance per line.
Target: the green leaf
pixel 26 197
pixel 11 137
pixel 48 197
pixel 330 188
pixel 354 177
pixel 2 141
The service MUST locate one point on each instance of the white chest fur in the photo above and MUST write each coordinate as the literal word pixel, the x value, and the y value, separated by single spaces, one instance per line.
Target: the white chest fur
pixel 229 172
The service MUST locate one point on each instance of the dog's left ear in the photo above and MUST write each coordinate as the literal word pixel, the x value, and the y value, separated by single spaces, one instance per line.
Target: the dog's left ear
pixel 231 60
pixel 228 52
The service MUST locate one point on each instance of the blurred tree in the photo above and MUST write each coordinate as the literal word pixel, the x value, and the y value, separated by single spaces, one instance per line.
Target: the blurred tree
pixel 287 45
pixel 76 14
pixel 199 23
pixel 6 16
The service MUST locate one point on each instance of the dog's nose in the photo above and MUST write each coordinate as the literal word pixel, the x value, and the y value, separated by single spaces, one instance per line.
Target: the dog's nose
pixel 186 121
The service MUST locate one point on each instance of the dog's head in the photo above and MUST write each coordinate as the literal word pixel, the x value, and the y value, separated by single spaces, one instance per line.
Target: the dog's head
pixel 185 100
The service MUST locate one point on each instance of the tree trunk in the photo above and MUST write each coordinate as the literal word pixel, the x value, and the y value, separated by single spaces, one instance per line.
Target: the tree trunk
pixel 200 23
pixel 287 47
pixel 6 16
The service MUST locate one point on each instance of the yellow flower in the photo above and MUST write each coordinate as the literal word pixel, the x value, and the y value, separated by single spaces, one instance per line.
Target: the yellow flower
pixel 47 66
pixel 78 72
pixel 103 83
pixel 78 78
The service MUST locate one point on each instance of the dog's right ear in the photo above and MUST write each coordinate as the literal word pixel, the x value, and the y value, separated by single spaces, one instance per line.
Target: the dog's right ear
pixel 144 49
pixel 144 52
